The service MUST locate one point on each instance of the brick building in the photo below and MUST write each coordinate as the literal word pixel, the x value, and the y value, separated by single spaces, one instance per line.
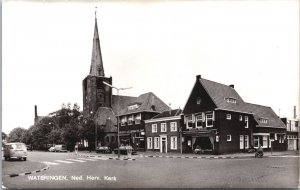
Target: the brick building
pixel 218 120
pixel 163 132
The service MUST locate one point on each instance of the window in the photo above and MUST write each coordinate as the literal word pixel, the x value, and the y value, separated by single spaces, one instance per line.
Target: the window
pixel 246 141
pixel 156 142
pixel 149 142
pixel 280 138
pixel 256 141
pixel 154 128
pixel 241 142
pixel 130 120
pixel 123 121
pixel 265 141
pixel 230 100
pixel 246 121
pixel 189 121
pixel 228 137
pixel 209 120
pixel 163 127
pixel 173 126
pixel 228 116
pixel 198 100
pixel 199 121
pixel 137 118
pixel 132 107
pixel 263 120
pixel 174 143
pixel 112 138
pixel 241 118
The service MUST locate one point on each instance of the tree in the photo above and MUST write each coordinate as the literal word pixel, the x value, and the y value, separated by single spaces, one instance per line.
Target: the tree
pixel 70 135
pixel 4 136
pixel 16 134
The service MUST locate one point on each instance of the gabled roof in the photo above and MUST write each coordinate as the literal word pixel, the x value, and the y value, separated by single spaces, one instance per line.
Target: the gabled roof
pixel 218 92
pixel 169 113
pixel 120 102
pixel 147 102
pixel 265 112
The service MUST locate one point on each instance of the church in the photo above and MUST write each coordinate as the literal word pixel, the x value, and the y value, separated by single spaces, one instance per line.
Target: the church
pixel 104 108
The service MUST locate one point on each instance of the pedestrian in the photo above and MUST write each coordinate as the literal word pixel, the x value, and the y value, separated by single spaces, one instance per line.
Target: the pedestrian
pixel 76 148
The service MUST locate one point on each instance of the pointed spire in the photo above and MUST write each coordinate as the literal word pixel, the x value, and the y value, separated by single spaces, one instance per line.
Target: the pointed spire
pixel 97 68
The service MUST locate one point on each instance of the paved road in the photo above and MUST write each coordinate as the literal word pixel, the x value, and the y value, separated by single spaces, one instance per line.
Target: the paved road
pixel 272 172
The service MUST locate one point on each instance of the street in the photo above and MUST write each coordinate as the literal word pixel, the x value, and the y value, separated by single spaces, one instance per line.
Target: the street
pixel 70 171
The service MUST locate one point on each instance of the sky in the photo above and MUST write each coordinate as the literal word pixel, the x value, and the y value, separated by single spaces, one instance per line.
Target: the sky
pixel 152 46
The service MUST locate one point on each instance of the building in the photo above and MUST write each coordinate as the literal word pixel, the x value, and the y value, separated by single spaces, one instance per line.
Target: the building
pixel 163 132
pixel 133 114
pixel 218 120
pixel 292 133
pixel 100 105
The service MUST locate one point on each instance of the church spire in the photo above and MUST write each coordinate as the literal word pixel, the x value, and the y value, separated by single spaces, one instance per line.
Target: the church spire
pixel 96 64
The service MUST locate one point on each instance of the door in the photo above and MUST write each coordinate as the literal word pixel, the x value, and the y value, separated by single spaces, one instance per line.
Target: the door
pixel 241 142
pixel 164 144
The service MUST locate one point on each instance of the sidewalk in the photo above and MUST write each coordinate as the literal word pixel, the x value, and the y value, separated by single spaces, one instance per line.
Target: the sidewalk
pixel 152 154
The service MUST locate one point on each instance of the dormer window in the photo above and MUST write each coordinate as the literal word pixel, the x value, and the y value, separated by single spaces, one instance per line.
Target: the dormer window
pixel 198 101
pixel 230 100
pixel 132 107
pixel 263 120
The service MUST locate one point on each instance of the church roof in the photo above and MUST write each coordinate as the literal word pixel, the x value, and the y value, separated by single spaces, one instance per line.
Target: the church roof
pixel 96 68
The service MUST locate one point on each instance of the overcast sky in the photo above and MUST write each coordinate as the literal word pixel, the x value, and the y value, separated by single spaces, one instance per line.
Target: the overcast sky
pixel 157 46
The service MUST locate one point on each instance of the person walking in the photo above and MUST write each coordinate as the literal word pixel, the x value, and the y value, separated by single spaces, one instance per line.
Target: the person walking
pixel 76 148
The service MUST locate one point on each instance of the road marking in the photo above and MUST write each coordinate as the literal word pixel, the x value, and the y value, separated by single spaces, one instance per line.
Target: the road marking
pixel 51 163
pixel 89 159
pixel 99 158
pixel 62 161
pixel 76 160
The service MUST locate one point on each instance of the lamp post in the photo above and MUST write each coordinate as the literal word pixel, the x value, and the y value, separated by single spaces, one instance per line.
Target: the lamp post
pixel 91 115
pixel 118 117
pixel 50 123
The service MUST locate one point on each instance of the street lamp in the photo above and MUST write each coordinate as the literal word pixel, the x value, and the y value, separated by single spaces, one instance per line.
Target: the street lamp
pixel 50 123
pixel 95 131
pixel 118 117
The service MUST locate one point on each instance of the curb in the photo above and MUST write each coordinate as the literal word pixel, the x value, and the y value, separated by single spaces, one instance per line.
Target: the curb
pixel 109 158
pixel 27 173
pixel 193 157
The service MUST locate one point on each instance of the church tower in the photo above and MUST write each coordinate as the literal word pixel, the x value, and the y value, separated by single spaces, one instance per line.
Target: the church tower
pixel 95 93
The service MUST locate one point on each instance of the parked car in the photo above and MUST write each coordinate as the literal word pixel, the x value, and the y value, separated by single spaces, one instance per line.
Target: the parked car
pixel 15 150
pixel 60 148
pixel 103 149
pixel 51 149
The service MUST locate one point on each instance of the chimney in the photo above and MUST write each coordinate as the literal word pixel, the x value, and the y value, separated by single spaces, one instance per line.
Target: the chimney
pixel 35 111
pixel 170 111
pixel 198 77
pixel 232 86
pixel 295 112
